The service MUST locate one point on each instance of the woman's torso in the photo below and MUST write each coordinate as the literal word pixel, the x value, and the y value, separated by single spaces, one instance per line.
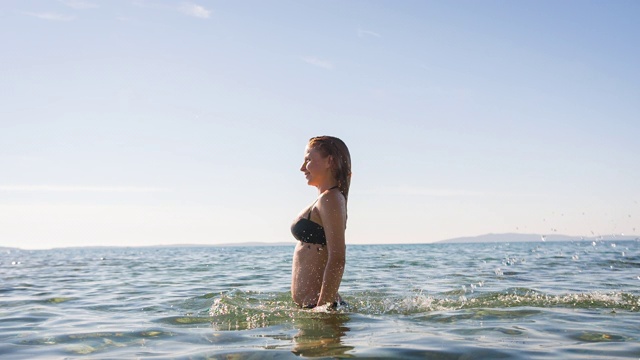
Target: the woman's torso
pixel 309 262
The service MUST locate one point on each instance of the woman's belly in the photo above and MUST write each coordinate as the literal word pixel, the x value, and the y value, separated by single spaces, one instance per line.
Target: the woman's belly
pixel 309 262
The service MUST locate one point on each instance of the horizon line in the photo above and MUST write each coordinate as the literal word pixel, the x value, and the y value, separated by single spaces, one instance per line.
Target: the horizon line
pixel 548 238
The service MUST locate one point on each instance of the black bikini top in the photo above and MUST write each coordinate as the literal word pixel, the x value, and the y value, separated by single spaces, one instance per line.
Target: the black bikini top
pixel 308 231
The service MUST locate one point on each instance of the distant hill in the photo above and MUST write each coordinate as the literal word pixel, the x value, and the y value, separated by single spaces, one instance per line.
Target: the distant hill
pixel 255 243
pixel 238 244
pixel 513 237
pixel 3 249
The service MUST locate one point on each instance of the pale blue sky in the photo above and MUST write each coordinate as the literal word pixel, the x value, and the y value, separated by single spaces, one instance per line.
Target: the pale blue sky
pixel 168 122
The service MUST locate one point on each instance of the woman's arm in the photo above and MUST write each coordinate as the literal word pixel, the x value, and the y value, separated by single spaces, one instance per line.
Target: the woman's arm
pixel 332 208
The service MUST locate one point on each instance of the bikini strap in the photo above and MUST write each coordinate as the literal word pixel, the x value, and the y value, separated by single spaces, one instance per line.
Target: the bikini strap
pixel 311 208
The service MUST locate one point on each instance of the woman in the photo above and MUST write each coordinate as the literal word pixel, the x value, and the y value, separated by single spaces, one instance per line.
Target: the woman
pixel 319 257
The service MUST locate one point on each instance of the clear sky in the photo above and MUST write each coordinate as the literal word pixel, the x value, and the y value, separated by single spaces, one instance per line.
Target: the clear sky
pixel 169 122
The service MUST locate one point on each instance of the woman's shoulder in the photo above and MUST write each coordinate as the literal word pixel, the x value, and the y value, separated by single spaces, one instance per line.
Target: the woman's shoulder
pixel 332 199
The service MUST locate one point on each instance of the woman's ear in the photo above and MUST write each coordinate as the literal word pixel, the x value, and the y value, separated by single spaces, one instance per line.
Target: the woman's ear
pixel 330 162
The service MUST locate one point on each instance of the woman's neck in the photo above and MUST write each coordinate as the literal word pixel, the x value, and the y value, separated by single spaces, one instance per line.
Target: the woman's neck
pixel 324 187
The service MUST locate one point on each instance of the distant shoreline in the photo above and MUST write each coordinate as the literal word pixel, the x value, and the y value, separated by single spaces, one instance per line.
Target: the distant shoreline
pixel 487 238
pixel 240 244
pixel 515 237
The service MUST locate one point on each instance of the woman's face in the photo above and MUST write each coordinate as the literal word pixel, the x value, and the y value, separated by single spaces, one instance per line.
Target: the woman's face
pixel 315 167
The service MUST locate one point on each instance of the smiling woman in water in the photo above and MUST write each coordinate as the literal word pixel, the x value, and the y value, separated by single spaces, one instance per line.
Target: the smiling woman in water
pixel 319 256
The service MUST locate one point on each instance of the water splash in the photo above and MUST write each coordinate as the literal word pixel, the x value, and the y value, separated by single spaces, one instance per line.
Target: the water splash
pixel 239 310
pixel 242 310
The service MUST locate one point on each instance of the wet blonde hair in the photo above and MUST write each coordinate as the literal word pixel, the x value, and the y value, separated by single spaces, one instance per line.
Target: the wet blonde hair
pixel 341 159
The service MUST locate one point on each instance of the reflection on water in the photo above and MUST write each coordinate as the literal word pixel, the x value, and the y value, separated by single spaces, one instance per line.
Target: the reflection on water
pixel 321 336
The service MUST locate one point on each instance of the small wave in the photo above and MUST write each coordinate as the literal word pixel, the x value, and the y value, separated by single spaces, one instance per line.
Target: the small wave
pixel 241 310
pixel 380 304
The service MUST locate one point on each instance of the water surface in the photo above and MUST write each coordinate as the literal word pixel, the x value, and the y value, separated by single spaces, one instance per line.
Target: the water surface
pixel 546 300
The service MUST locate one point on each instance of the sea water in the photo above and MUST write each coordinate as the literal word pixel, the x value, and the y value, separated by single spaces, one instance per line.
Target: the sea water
pixel 546 300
